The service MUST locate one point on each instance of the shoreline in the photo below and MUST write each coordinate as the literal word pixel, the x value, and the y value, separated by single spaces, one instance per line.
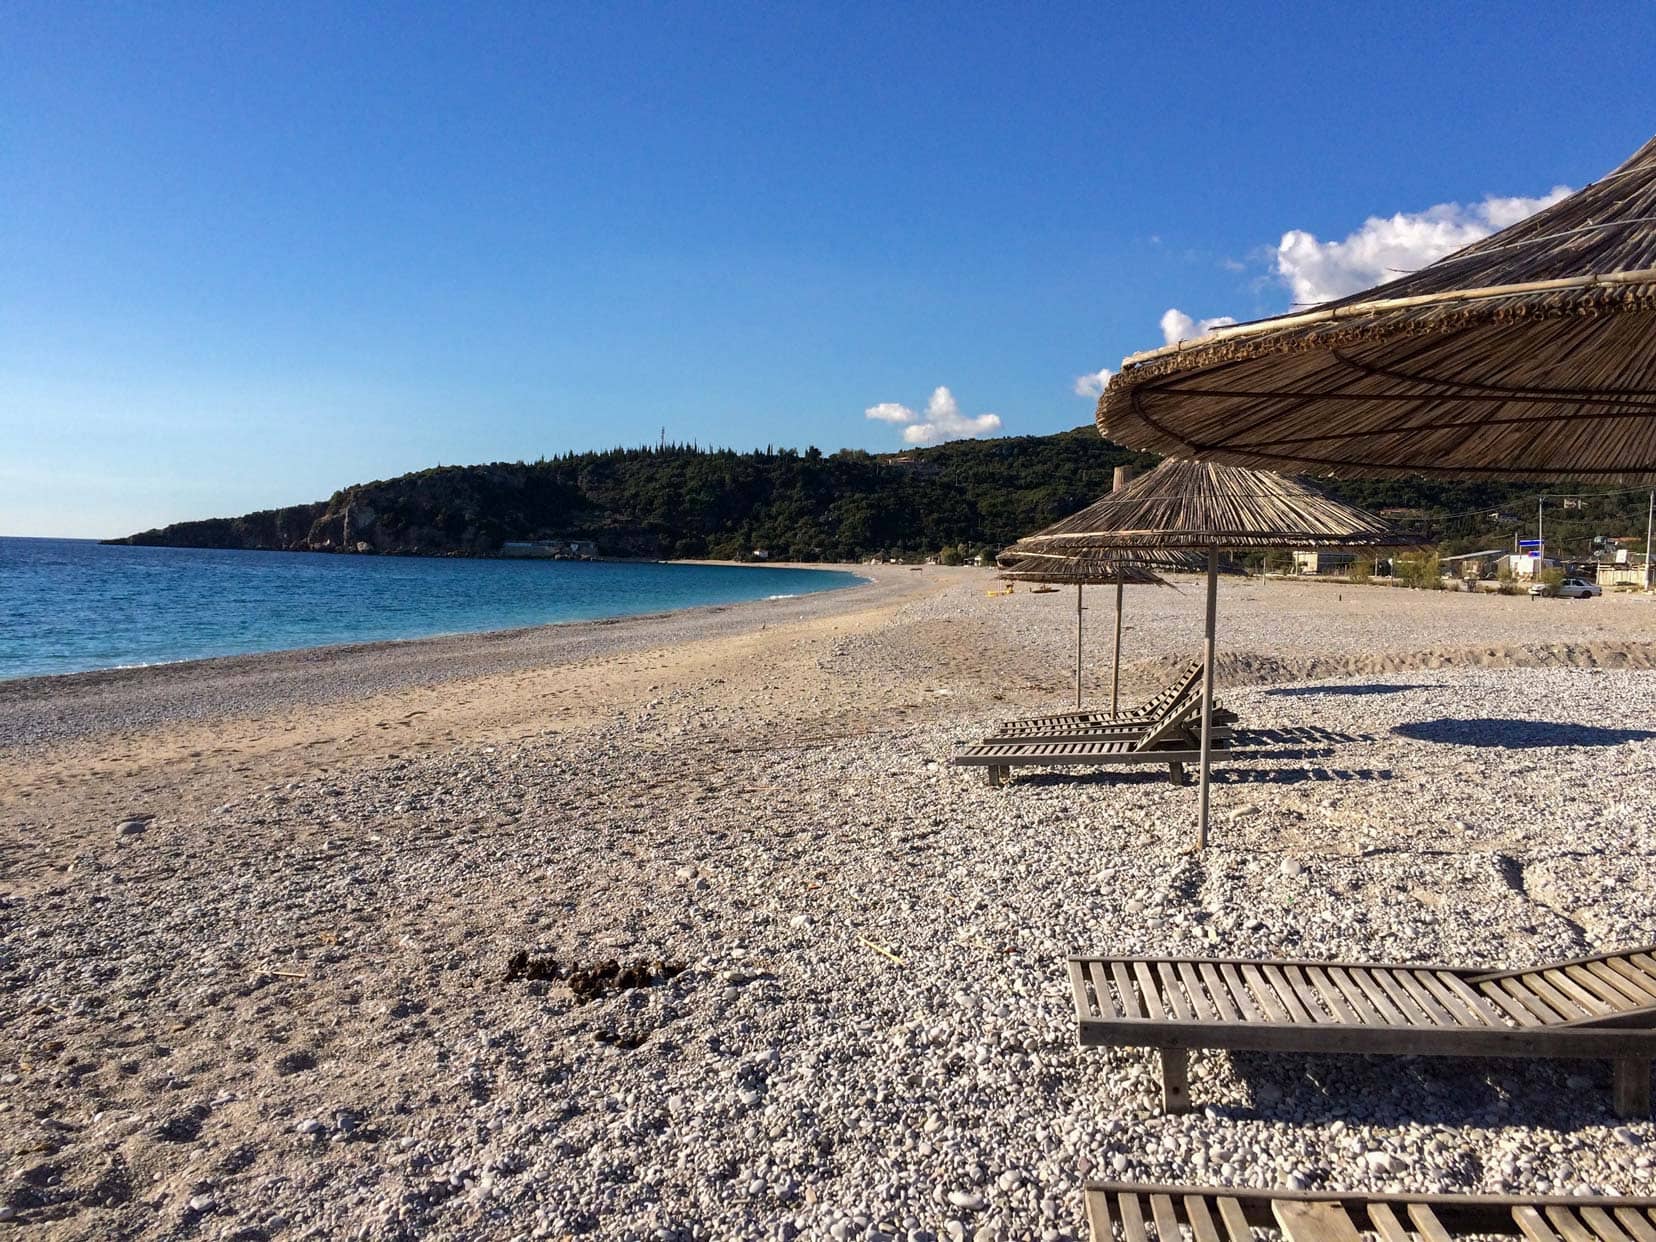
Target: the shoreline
pixel 8 684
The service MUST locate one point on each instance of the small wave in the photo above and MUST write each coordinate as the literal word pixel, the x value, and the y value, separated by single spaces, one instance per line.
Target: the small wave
pixel 793 596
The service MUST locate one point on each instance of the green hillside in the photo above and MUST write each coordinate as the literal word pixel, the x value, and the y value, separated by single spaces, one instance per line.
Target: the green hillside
pixel 684 501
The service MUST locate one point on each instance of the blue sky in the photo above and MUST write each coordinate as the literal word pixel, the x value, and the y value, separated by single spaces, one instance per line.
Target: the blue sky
pixel 252 254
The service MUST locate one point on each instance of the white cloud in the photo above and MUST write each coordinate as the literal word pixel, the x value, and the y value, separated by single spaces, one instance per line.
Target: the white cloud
pixel 941 421
pixel 1392 246
pixel 1177 326
pixel 890 412
pixel 1383 249
pixel 1092 383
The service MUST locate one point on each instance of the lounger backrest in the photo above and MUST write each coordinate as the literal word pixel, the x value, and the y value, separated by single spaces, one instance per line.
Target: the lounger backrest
pixel 1609 989
pixel 1174 691
pixel 1181 719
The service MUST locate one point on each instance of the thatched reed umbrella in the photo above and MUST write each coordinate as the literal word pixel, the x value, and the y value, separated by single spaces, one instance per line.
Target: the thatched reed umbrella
pixel 1083 571
pixel 1528 355
pixel 1198 507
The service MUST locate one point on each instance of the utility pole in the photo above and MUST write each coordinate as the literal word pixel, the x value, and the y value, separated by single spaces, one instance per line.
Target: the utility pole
pixel 1540 537
pixel 1650 519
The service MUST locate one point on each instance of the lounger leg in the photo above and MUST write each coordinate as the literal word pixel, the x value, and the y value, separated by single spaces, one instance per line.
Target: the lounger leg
pixel 1632 1089
pixel 1175 1081
pixel 993 776
pixel 1176 773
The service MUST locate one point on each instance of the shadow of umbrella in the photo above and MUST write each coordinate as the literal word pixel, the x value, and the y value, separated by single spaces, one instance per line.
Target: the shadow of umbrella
pixel 1300 692
pixel 1518 734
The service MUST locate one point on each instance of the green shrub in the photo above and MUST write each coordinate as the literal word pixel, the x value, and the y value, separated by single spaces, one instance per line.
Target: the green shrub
pixel 1362 570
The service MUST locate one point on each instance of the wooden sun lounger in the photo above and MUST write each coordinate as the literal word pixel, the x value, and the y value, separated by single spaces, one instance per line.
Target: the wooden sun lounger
pixel 1087 726
pixel 1592 1007
pixel 1172 742
pixel 1184 682
pixel 1131 1212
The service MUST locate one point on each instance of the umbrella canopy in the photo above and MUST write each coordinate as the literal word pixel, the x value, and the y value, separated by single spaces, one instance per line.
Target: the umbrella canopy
pixel 1184 505
pixel 1079 571
pixel 1528 355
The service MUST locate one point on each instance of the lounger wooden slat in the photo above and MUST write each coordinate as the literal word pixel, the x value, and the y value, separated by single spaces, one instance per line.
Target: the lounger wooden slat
pixel 1200 1218
pixel 1332 998
pixel 1589 1001
pixel 1556 1001
pixel 1079 972
pixel 1644 962
pixel 1149 991
pixel 1604 1225
pixel 1450 1001
pixel 1219 991
pixel 1203 1007
pixel 1167 1223
pixel 1262 993
pixel 1236 1221
pixel 1632 975
pixel 1361 1004
pixel 1132 1217
pixel 1427 1224
pixel 1454 984
pixel 1386 1223
pixel 1314 1222
pixel 1638 1224
pixel 1533 1225
pixel 1344 1216
pixel 1168 976
pixel 1568 1225
pixel 1524 1008
pixel 1179 1004
pixel 1378 995
pixel 1435 1013
pixel 1101 1228
pixel 1133 1007
pixel 1607 985
pixel 1101 985
pixel 1277 977
pixel 1405 1004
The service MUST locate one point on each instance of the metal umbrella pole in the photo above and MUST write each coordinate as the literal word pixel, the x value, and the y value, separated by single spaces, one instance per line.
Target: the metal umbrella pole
pixel 1207 696
pixel 1115 674
pixel 1077 646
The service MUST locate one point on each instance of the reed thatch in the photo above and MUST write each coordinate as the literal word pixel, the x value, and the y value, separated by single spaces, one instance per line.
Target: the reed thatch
pixel 1528 355
pixel 1080 571
pixel 1199 505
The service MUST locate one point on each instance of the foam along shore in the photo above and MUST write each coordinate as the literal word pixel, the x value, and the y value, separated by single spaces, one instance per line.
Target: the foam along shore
pixel 258 959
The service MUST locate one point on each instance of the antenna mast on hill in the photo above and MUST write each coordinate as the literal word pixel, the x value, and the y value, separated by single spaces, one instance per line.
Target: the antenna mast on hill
pixel 662 446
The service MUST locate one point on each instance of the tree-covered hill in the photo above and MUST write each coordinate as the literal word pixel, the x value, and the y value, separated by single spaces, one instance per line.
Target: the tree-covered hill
pixel 683 501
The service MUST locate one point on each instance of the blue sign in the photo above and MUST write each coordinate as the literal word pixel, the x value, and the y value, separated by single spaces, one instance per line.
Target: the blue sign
pixel 1530 543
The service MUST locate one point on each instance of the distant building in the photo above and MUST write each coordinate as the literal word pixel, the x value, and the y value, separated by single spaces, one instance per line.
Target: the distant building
pixel 1323 561
pixel 1483 564
pixel 761 554
pixel 1523 565
pixel 1627 569
pixel 551 549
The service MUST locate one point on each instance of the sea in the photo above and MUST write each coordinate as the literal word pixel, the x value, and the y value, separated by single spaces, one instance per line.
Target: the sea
pixel 69 605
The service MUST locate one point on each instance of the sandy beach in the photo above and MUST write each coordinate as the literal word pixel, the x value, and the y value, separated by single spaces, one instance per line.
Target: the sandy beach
pixel 257 915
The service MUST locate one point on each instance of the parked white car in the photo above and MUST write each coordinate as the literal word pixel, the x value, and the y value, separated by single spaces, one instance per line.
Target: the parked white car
pixel 1570 588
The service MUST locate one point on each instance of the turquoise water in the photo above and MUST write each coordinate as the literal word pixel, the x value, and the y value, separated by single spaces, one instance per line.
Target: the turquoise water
pixel 68 605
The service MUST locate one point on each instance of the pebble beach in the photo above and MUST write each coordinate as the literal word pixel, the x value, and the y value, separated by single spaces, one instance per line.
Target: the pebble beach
pixel 683 927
